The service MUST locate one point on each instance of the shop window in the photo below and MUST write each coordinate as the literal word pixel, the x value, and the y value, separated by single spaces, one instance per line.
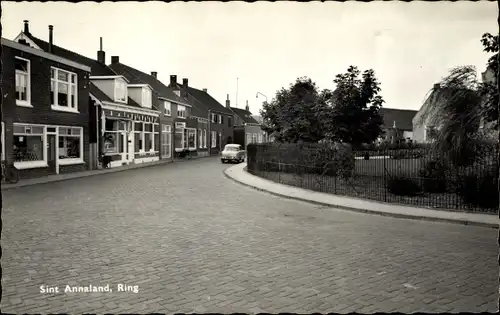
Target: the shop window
pixel 70 142
pixel 29 143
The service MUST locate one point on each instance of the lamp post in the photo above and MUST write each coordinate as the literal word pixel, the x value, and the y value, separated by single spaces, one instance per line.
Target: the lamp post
pixel 257 96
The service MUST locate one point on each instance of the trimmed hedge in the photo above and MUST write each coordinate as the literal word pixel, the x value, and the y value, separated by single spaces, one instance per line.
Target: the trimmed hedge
pixel 330 159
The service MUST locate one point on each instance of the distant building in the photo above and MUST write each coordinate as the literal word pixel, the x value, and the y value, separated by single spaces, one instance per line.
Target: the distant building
pixel 397 125
pixel 246 128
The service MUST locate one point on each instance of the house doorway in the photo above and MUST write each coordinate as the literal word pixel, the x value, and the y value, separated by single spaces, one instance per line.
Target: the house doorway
pixel 52 153
pixel 229 140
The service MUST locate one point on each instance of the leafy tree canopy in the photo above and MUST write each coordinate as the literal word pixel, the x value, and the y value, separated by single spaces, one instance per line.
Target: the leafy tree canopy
pixel 293 115
pixel 353 115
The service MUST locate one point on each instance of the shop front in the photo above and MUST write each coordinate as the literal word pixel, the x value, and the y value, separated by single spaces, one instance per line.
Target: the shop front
pixel 38 150
pixel 129 136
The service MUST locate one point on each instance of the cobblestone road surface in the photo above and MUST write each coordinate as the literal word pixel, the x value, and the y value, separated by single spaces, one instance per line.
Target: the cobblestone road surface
pixel 194 241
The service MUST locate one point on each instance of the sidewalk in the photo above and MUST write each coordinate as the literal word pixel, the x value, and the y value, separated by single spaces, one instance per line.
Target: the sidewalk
pixel 240 175
pixel 62 177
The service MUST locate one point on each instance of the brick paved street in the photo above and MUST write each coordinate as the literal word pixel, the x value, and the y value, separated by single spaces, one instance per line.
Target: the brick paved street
pixel 195 241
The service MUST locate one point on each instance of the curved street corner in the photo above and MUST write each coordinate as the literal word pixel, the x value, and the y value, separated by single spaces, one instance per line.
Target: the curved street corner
pixel 192 240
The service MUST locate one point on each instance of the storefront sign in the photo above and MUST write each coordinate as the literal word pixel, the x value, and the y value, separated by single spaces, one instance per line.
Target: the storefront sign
pixel 131 116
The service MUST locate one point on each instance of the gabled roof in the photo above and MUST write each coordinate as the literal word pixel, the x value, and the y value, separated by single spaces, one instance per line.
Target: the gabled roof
pixel 402 117
pixel 94 90
pixel 244 115
pixel 97 68
pixel 138 77
pixel 206 99
pixel 258 118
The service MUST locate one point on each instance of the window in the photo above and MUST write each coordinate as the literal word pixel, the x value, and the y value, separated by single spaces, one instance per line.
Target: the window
pixel 138 137
pixel 23 82
pixel 146 98
pixel 214 139
pixel 254 138
pixel 167 108
pixel 178 93
pixel 70 143
pixel 229 121
pixel 148 137
pixel 63 86
pixel 192 139
pixel 259 139
pixel 179 137
pixel 120 91
pixel 3 141
pixel 113 141
pixel 29 143
pixel 205 138
pixel 166 141
pixel 181 111
pixel 220 119
pixel 249 138
pixel 220 140
pixel 213 118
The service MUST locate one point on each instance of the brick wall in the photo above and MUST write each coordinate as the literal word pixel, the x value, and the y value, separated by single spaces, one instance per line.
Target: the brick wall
pixel 41 112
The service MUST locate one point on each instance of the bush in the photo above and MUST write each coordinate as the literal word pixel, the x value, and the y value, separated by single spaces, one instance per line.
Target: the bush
pixel 327 159
pixel 407 154
pixel 480 189
pixel 403 186
pixel 434 177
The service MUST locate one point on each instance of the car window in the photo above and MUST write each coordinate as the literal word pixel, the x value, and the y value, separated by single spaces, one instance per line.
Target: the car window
pixel 231 149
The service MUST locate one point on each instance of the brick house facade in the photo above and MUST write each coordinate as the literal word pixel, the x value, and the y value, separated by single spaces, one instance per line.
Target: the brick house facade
pixel 246 128
pixel 45 111
pixel 219 132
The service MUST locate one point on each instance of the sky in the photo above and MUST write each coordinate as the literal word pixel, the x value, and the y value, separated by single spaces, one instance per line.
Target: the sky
pixel 240 48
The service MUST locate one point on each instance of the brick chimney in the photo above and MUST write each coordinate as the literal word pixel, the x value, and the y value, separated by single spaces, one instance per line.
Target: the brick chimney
pixel 115 59
pixel 154 74
pixel 101 56
pixel 51 38
pixel 247 107
pixel 205 90
pixel 228 102
pixel 26 27
pixel 437 86
pixel 173 80
pixel 185 87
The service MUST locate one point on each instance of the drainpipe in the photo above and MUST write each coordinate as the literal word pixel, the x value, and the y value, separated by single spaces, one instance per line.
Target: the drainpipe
pixel 97 132
pixel 209 133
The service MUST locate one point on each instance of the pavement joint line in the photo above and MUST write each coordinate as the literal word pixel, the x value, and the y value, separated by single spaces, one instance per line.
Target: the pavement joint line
pixel 90 173
pixel 359 210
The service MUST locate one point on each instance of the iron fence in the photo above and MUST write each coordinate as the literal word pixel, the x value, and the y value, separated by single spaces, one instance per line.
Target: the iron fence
pixel 419 177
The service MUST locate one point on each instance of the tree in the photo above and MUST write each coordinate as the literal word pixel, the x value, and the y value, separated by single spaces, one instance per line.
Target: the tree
pixel 353 112
pixel 489 90
pixel 460 104
pixel 293 115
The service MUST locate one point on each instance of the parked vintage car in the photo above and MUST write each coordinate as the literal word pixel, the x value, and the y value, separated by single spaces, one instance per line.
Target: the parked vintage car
pixel 233 153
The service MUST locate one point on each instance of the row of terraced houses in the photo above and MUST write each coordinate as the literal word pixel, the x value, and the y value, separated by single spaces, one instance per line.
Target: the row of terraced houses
pixel 62 112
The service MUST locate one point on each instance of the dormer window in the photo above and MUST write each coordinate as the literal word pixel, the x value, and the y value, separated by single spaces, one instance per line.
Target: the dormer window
pixel 121 91
pixel 146 98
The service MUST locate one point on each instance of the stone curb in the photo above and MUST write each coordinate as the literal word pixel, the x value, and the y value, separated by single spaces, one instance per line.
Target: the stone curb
pixel 96 173
pixel 382 213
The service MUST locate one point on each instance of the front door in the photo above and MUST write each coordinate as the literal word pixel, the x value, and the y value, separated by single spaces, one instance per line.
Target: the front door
pixel 130 146
pixel 51 153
